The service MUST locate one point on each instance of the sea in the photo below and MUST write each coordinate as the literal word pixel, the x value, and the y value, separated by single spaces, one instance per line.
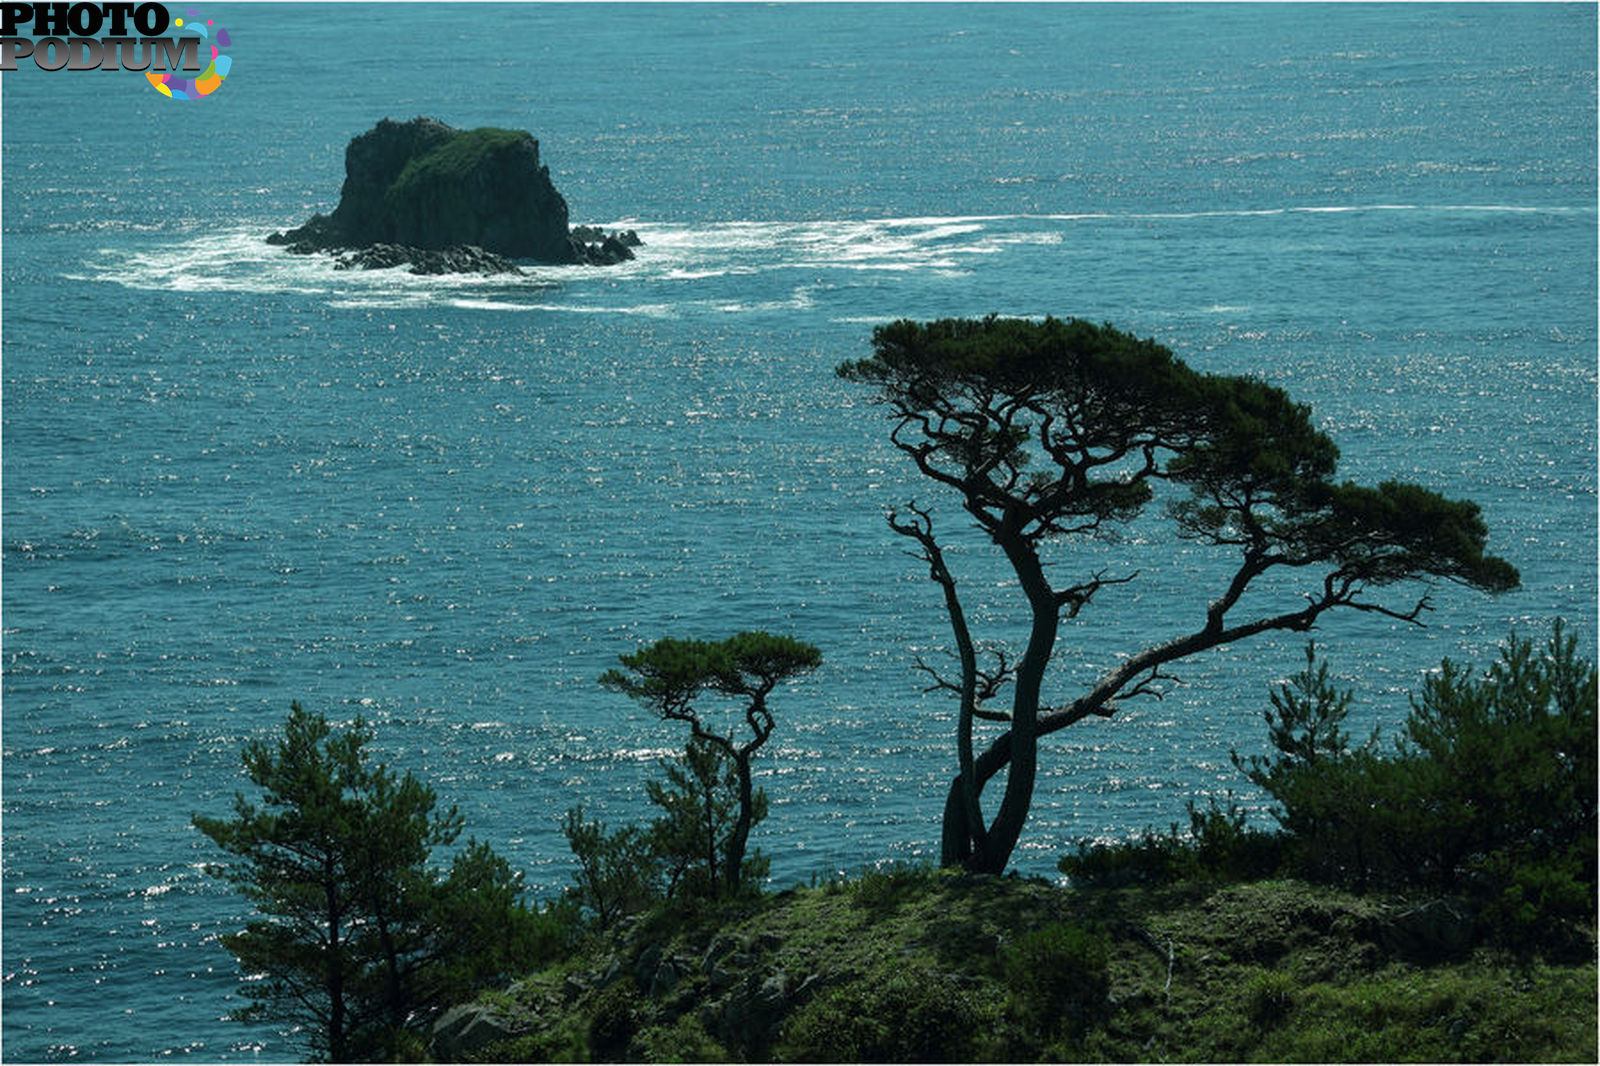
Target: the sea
pixel 235 478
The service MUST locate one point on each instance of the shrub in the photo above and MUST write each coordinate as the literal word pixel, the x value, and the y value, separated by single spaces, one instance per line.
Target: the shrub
pixel 1530 904
pixel 882 888
pixel 1514 757
pixel 1268 998
pixel 1490 792
pixel 617 874
pixel 1057 977
pixel 1222 846
pixel 613 1020
pixel 1149 859
pixel 1218 845
pixel 685 1040
pixel 913 1016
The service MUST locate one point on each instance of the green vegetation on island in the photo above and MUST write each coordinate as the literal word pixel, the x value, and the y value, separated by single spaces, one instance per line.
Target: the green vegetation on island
pixel 1426 897
pixel 455 158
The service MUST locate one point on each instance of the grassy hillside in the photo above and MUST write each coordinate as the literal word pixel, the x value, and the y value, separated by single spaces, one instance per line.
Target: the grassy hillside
pixel 918 966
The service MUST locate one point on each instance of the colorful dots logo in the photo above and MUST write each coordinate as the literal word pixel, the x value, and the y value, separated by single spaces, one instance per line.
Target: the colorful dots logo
pixel 205 83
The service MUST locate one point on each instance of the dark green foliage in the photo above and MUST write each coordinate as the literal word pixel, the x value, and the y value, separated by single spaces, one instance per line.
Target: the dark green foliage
pixel 1305 724
pixel 1489 796
pixel 1055 432
pixel 1325 788
pixel 1515 751
pixel 453 160
pixel 1364 821
pixel 563 1043
pixel 552 933
pixel 1268 998
pixel 1057 977
pixel 1218 846
pixel 911 1016
pixel 972 968
pixel 1510 757
pixel 478 931
pixel 1490 792
pixel 699 801
pixel 882 888
pixel 359 940
pixel 684 1040
pixel 618 872
pixel 1150 859
pixel 1224 848
pixel 670 674
pixel 613 1021
pixel 1538 902
pixel 680 856
pixel 1492 788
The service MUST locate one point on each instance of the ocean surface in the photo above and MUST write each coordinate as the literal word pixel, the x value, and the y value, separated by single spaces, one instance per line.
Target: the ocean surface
pixel 235 478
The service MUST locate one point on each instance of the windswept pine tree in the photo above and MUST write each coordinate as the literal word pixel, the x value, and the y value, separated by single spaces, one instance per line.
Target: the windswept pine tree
pixel 1053 433
pixel 674 678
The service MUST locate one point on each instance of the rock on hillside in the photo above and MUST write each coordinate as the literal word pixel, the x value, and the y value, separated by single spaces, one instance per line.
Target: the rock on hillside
pixel 425 187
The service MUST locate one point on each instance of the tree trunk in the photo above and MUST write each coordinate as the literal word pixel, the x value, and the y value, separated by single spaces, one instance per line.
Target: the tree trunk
pixel 335 980
pixel 711 837
pixel 734 860
pixel 989 850
pixel 958 847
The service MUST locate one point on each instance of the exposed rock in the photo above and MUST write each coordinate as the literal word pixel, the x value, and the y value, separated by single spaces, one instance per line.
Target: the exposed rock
pixel 475 199
pixel 749 1018
pixel 463 1030
pixel 460 259
pixel 596 247
pixel 666 976
pixel 1434 931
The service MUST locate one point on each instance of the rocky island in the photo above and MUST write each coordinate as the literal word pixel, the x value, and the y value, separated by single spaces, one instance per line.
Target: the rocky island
pixel 450 201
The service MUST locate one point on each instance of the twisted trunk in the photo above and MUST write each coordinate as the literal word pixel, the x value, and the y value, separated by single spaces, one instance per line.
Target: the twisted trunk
pixel 958 849
pixel 968 843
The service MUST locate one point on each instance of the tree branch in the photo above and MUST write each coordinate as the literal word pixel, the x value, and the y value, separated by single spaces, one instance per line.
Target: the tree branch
pixel 920 529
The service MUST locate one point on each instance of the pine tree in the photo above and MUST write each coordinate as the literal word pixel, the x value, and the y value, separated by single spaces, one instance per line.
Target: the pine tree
pixel 357 939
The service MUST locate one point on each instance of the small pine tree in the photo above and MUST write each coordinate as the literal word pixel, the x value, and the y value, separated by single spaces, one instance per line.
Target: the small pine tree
pixel 672 678
pixel 1304 724
pixel 1321 783
pixel 1490 791
pixel 685 851
pixel 359 940
pixel 1512 755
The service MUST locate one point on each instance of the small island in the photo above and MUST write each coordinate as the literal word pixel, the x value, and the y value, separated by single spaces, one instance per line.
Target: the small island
pixel 450 201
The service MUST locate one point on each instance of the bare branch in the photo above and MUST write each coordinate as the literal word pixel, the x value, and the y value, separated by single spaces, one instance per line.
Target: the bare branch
pixel 940 683
pixel 1077 597
pixel 1145 686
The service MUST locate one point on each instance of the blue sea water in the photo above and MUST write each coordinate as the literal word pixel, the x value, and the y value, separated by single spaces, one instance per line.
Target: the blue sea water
pixel 235 478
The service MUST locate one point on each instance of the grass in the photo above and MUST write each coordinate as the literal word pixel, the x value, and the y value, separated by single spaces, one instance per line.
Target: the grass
pixel 906 964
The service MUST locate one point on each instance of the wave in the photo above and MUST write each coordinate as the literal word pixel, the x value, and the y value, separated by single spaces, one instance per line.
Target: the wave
pixel 683 268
